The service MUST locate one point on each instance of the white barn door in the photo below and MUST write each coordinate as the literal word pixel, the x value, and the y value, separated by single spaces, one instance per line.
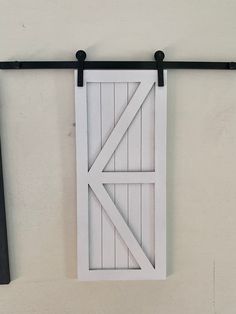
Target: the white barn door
pixel 121 175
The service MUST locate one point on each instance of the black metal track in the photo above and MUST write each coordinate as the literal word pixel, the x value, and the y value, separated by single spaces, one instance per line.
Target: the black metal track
pixel 121 65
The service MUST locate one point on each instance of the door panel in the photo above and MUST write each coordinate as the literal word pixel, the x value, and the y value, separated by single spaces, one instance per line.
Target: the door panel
pixel 121 147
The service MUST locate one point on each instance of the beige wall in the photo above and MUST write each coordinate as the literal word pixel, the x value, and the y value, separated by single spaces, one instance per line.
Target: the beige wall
pixel 38 140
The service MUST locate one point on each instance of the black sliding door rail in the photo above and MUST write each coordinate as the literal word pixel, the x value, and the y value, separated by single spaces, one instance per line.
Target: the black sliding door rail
pixel 82 65
pixel 121 65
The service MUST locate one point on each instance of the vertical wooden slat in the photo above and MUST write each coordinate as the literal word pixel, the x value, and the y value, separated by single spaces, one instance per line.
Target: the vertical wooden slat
pixel 121 164
pixel 81 113
pixel 148 164
pixel 160 169
pixel 108 121
pixel 134 163
pixel 94 147
pixel 4 259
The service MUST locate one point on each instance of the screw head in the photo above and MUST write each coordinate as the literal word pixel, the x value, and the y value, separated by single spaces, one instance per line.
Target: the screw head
pixel 159 55
pixel 81 55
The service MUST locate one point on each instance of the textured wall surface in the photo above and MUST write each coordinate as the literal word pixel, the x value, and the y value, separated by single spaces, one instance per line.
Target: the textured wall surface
pixel 38 142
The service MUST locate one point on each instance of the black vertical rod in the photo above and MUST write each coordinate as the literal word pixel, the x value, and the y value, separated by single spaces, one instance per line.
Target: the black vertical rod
pixel 4 258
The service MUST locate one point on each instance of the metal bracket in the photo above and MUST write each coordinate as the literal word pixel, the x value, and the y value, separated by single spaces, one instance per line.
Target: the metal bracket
pixel 159 57
pixel 81 56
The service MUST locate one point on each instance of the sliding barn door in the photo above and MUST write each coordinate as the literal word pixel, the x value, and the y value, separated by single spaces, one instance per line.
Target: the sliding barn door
pixel 121 161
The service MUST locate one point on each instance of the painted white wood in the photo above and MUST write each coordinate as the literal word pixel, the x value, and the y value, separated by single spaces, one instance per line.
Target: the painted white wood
pixel 121 164
pixel 119 76
pixel 122 227
pixel 108 122
pixel 121 126
pixel 121 274
pixel 147 164
pixel 134 164
pixel 123 177
pixel 82 189
pixel 160 186
pixel 124 153
pixel 94 147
